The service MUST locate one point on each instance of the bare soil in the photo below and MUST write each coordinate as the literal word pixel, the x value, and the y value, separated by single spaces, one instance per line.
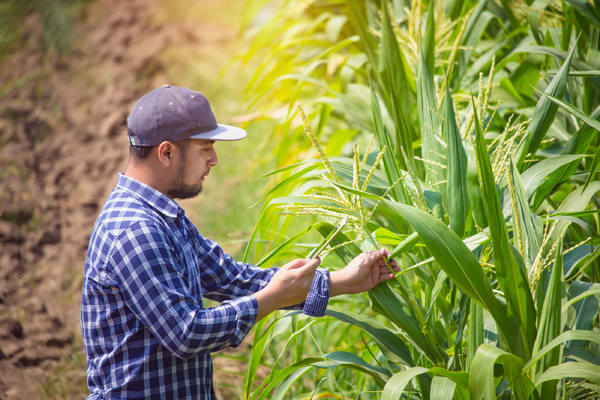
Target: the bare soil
pixel 62 143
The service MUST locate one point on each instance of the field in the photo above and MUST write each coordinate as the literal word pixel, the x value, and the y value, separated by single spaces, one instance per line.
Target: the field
pixel 460 135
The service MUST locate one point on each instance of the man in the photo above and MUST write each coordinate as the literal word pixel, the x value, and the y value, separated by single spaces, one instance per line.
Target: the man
pixel 146 332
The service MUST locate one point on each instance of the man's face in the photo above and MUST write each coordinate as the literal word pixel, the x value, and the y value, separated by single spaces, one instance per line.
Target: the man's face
pixel 195 164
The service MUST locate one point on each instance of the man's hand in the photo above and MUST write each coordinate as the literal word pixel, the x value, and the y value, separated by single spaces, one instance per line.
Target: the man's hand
pixel 289 286
pixel 363 273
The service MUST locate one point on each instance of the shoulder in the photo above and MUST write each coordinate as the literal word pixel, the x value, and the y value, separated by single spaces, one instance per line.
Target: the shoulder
pixel 125 220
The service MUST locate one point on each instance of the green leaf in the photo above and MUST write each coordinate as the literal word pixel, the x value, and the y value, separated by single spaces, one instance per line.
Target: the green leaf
pixel 462 267
pixel 391 346
pixel 524 223
pixel 534 177
pixel 578 200
pixel 593 168
pixel 592 291
pixel 583 370
pixel 511 278
pixel 394 82
pixel 481 375
pixel 476 335
pixel 392 170
pixel 428 42
pixel 261 342
pixel 460 377
pixel 430 126
pixel 473 189
pixel 395 385
pixel 283 246
pixel 347 252
pixel 442 388
pixel 545 111
pixel 572 110
pixel 562 338
pixel 550 325
pixel 284 381
pixel 292 178
pixel 406 245
pixel 388 303
pixel 458 198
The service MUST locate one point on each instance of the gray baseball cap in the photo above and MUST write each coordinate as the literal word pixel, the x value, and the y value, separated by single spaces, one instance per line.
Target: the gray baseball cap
pixel 174 113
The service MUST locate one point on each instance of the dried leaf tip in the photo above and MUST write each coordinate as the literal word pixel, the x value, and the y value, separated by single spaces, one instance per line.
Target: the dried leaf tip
pixel 315 142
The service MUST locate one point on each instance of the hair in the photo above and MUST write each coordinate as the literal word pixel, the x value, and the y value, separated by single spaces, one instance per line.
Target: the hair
pixel 140 153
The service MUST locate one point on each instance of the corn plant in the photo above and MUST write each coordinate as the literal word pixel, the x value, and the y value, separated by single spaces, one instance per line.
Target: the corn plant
pixel 488 199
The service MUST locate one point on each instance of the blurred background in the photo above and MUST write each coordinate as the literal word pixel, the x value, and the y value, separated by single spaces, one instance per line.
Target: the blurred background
pixel 70 71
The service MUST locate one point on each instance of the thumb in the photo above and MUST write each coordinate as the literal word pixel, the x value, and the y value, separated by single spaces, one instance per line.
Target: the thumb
pixel 311 265
pixel 297 263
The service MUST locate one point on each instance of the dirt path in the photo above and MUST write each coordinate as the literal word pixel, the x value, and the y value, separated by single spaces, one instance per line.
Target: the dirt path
pixel 62 142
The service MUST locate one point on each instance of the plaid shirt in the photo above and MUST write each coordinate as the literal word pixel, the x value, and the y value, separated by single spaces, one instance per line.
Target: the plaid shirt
pixel 145 330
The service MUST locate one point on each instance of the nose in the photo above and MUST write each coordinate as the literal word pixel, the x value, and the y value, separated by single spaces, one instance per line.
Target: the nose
pixel 213 159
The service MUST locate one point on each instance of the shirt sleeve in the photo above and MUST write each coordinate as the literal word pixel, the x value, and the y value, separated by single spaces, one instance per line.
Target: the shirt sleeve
pixel 225 279
pixel 145 267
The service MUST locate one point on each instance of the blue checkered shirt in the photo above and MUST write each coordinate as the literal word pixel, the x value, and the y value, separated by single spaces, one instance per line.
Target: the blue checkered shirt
pixel 145 330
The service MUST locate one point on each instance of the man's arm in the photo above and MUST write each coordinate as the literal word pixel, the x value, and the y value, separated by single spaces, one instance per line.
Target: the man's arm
pixel 292 282
pixel 145 269
pixel 222 279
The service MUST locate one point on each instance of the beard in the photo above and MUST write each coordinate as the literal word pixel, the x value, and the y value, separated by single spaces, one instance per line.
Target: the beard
pixel 181 190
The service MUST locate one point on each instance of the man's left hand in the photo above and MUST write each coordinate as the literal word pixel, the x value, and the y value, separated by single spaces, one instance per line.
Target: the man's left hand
pixel 363 273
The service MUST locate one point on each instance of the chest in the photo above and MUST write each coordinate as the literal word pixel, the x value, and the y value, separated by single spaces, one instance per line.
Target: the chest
pixel 188 249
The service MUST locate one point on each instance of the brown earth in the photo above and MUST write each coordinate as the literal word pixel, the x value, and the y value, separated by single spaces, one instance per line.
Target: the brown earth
pixel 62 142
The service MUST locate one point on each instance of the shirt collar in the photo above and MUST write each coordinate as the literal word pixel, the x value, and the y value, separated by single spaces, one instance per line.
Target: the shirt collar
pixel 153 197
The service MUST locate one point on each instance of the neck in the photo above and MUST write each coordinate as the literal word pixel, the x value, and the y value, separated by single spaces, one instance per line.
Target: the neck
pixel 142 172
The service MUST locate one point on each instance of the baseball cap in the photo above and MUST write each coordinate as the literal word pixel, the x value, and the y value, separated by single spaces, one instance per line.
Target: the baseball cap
pixel 175 113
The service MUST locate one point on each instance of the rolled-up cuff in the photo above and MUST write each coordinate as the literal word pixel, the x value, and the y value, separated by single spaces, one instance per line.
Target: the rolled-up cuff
pixel 246 310
pixel 318 296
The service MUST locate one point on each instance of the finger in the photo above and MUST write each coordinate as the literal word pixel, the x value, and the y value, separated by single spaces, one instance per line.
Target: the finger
pixel 310 266
pixel 373 256
pixel 297 263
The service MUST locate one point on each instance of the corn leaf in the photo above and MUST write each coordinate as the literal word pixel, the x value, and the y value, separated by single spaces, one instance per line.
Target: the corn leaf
pixel 430 125
pixel 583 370
pixel 578 200
pixel 442 388
pixel 586 311
pixel 578 144
pixel 261 342
pixel 593 168
pixel 524 222
pixel 388 303
pixel 392 169
pixel 458 198
pixel 406 245
pixel 533 178
pixel 550 325
pixel 284 379
pixel 545 110
pixel 562 338
pixel 395 385
pixel 511 278
pixel 461 266
pixel 428 42
pixel 394 83
pixel 391 345
pixel 473 189
pixel 460 377
pixel 481 377
pixel 476 332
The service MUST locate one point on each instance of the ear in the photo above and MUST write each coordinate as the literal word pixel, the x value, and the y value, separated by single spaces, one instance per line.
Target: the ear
pixel 166 151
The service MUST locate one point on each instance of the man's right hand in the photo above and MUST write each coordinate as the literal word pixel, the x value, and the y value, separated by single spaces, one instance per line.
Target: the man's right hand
pixel 289 286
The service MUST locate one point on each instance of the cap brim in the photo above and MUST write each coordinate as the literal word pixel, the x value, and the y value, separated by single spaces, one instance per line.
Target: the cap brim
pixel 223 132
